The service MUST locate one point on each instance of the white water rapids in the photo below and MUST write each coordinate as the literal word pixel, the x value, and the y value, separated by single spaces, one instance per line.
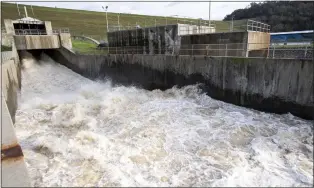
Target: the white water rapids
pixel 78 132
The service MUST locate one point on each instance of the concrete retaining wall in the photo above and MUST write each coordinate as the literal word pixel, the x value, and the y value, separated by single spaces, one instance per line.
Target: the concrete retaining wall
pixel 13 168
pixel 258 40
pixel 6 39
pixel 11 84
pixel 7 55
pixel 65 40
pixel 149 40
pixel 11 79
pixel 280 85
pixel 31 42
pixel 215 38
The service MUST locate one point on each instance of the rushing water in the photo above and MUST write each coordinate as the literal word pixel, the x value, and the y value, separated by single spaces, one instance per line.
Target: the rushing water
pixel 78 132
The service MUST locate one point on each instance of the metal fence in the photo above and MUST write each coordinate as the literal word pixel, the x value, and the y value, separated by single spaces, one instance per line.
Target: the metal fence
pixel 155 23
pixel 230 49
pixel 61 30
pixel 237 25
pixel 30 32
pixel 40 31
pixel 261 50
pixel 302 52
pixel 253 25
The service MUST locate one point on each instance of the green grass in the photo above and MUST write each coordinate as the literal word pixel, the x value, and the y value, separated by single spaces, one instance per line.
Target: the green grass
pixel 93 24
pixel 85 47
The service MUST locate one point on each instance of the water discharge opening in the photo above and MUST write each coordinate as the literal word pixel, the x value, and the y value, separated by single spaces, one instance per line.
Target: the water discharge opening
pixel 78 132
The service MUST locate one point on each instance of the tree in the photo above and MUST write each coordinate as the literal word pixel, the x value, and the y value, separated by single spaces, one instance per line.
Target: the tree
pixel 280 15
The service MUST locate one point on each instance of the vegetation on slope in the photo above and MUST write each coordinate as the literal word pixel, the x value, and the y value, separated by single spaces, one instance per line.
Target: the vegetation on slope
pixel 93 24
pixel 86 47
pixel 280 15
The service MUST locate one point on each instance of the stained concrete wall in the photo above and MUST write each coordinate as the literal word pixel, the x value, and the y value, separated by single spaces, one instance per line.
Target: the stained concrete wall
pixel 11 83
pixel 280 85
pixel 31 42
pixel 258 40
pixel 65 40
pixel 13 168
pixel 6 39
pixel 215 38
pixel 150 40
pixel 48 27
pixel 225 44
pixel 9 26
pixel 166 40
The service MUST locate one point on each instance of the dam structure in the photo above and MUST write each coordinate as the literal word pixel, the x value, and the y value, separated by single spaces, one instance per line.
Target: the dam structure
pixel 157 110
pixel 183 39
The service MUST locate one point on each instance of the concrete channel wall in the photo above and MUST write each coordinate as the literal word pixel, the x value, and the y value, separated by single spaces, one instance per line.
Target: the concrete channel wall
pixel 13 168
pixel 272 85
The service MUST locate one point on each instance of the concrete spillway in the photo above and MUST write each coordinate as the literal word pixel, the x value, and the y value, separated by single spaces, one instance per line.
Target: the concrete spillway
pixel 78 132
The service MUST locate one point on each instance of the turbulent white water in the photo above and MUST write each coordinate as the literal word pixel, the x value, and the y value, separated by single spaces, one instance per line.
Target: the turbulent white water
pixel 77 132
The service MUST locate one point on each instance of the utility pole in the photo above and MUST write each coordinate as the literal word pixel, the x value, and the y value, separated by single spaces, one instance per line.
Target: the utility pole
pixel 26 15
pixel 17 6
pixel 232 22
pixel 32 11
pixel 106 16
pixel 209 13
pixel 119 21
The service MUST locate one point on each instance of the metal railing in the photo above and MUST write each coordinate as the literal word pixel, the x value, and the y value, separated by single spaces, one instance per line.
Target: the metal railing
pixel 196 27
pixel 30 21
pixel 30 32
pixel 40 31
pixel 61 30
pixel 265 50
pixel 253 25
pixel 294 52
pixel 137 25
pixel 230 49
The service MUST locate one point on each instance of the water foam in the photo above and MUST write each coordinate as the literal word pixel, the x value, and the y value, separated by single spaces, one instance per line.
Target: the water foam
pixel 78 132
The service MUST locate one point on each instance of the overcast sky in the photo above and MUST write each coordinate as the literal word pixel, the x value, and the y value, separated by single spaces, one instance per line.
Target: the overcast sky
pixel 189 9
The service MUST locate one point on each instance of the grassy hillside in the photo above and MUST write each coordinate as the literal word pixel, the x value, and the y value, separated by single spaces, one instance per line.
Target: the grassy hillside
pixel 93 23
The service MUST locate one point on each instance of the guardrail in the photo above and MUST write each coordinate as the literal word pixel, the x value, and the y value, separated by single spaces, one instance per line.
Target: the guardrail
pixel 230 49
pixel 188 27
pixel 226 50
pixel 61 30
pixel 40 31
pixel 149 24
pixel 30 32
pixel 253 25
